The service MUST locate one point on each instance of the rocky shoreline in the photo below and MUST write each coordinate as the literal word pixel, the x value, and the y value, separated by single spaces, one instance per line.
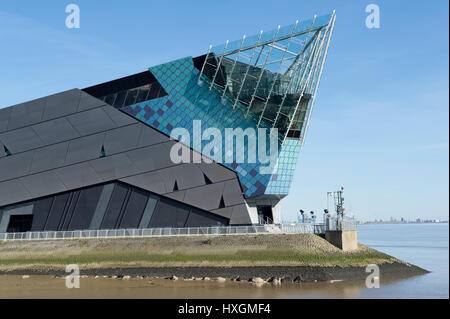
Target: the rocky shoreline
pixel 275 274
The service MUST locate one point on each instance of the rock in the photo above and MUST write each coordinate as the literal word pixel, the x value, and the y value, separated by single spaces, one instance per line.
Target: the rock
pixel 236 278
pixel 258 280
pixel 84 276
pixel 119 276
pixel 95 277
pixel 25 277
pixel 276 281
pixel 173 278
pixel 139 277
pixel 286 279
pixel 189 278
pixel 206 278
pixel 198 278
pixel 299 279
pixel 220 279
pixel 126 277
pixel 114 277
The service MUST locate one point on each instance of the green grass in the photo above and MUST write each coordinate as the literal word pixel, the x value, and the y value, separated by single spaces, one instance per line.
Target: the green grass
pixel 275 256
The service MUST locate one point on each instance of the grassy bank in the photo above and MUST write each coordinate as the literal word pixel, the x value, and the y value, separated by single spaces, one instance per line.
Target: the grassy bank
pixel 235 250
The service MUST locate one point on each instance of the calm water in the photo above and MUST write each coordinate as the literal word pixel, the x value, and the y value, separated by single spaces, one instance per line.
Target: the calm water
pixel 425 245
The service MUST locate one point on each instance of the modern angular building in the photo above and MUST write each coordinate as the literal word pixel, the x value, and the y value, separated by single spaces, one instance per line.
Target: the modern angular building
pixel 99 158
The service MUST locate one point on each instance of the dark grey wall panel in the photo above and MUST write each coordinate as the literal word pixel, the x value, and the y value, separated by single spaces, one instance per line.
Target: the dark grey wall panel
pixel 152 157
pixel 5 114
pixel 240 215
pixel 56 212
pixel 13 191
pixel 85 208
pixel 78 175
pixel 134 210
pixel 206 197
pixel 179 195
pixel 49 157
pixel 169 214
pixel 198 218
pixel 102 205
pixel 148 211
pixel 88 102
pixel 55 131
pixel 91 121
pixel 232 193
pixel 114 167
pixel 151 181
pixel 150 136
pixel 216 172
pixel 116 204
pixel 85 148
pixel 15 166
pixel 26 114
pixel 40 213
pixel 22 139
pixel 43 184
pixel 61 104
pixel 186 175
pixel 122 139
pixel 224 212
pixel 120 118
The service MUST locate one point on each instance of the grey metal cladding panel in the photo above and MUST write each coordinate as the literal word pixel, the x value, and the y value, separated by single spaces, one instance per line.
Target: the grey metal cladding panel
pixel 216 172
pixel 186 175
pixel 135 209
pixel 61 104
pixel 15 165
pixel 40 213
pixel 232 194
pixel 114 167
pixel 152 157
pixel 2 150
pixel 85 148
pixel 49 157
pixel 150 136
pixel 43 184
pixel 78 175
pixel 54 131
pixel 122 139
pixel 88 102
pixel 91 121
pixel 120 118
pixel 85 208
pixel 179 196
pixel 22 139
pixel 26 113
pixel 240 215
pixel 150 181
pixel 12 192
pixel 224 212
pixel 206 197
pixel 4 118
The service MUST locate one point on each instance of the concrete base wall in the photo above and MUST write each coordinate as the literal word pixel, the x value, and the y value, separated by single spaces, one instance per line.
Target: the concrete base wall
pixel 346 240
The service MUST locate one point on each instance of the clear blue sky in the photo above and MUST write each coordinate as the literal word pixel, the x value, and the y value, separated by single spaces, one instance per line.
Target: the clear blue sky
pixel 380 123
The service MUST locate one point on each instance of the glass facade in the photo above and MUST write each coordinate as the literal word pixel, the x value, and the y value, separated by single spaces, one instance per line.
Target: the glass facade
pixel 264 81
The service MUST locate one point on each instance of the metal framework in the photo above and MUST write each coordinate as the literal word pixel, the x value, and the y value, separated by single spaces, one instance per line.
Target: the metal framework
pixel 273 76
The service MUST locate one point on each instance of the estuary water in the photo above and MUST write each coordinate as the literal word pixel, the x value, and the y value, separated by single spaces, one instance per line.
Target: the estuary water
pixel 424 245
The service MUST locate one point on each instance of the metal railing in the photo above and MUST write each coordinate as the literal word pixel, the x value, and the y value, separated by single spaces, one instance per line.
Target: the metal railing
pixel 331 223
pixel 149 232
pixel 340 223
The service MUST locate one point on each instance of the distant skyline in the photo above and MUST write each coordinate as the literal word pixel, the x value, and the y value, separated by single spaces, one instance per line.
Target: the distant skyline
pixel 380 121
